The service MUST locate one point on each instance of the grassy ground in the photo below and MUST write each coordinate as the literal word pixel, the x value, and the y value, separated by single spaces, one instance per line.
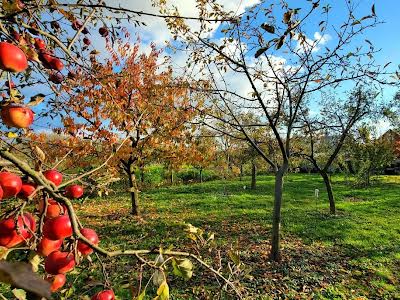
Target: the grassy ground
pixel 354 255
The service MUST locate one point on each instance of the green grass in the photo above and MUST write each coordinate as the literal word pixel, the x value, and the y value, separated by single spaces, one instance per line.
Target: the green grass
pixel 353 255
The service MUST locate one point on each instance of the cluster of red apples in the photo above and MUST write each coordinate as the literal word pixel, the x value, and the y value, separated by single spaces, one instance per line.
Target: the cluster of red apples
pixel 24 47
pixel 55 242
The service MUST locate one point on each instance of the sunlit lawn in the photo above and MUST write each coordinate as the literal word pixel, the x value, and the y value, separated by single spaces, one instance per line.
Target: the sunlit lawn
pixel 353 254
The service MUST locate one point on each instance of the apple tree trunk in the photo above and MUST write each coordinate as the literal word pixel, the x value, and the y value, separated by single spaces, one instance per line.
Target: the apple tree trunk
pixel 276 215
pixel 133 190
pixel 329 190
pixel 253 176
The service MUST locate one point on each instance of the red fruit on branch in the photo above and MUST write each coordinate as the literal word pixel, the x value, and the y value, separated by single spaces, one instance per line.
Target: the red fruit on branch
pixel 54 176
pixel 58 228
pixel 55 25
pixel 46 58
pixel 54 209
pixel 103 31
pixel 10 183
pixel 12 234
pixel 56 78
pixel 56 64
pixel 74 191
pixel 40 44
pixel 27 189
pixel 86 41
pixel 12 58
pixel 1 192
pixel 91 235
pixel 59 263
pixel 76 25
pixel 47 246
pixel 57 282
pixel 17 116
pixel 104 295
pixel 10 84
pixel 16 35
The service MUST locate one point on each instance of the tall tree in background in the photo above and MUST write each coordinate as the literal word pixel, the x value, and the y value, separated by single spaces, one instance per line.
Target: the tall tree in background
pixel 327 131
pixel 142 101
pixel 270 49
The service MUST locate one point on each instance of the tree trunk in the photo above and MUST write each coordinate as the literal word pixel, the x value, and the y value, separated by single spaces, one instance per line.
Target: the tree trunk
pixel 241 172
pixel 328 186
pixel 133 190
pixel 201 175
pixel 141 174
pixel 253 175
pixel 276 216
pixel 171 177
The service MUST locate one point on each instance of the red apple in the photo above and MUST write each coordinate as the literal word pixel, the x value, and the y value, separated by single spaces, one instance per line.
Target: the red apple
pixel 1 192
pixel 16 35
pixel 10 183
pixel 74 191
pixel 27 189
pixel 57 282
pixel 54 209
pixel 56 78
pixel 40 44
pixel 103 31
pixel 55 25
pixel 46 246
pixel 17 116
pixel 59 262
pixel 86 41
pixel 104 295
pixel 12 234
pixel 54 176
pixel 57 228
pixel 76 25
pixel 91 235
pixel 57 64
pixel 9 85
pixel 46 58
pixel 12 58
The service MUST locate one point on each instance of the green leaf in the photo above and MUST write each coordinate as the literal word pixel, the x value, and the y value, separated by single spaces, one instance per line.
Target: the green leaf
pixel 163 292
pixel 19 294
pixel 34 260
pixel 3 252
pixel 141 296
pixel 183 267
pixel 234 256
pixel 158 277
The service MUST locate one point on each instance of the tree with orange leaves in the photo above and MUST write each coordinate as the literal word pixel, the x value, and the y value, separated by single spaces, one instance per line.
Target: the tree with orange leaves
pixel 140 100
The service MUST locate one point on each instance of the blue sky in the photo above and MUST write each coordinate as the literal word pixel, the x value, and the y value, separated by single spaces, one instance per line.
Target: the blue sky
pixel 385 36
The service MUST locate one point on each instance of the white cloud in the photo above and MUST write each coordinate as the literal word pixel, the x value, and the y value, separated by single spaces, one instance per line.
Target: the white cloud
pixel 156 29
pixel 312 44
